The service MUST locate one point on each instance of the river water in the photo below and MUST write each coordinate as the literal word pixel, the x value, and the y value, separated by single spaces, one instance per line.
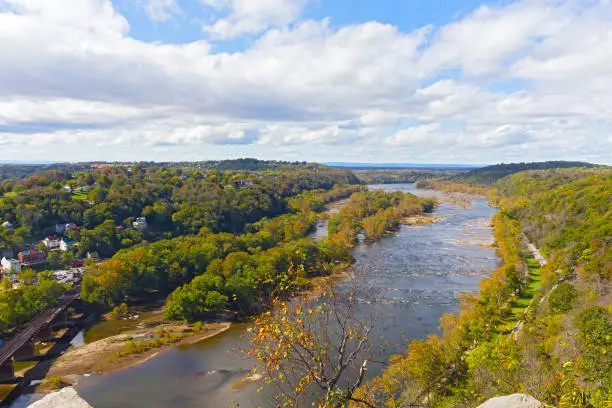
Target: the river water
pixel 417 274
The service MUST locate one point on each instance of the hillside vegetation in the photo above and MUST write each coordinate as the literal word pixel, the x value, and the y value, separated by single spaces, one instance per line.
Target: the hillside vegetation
pixel 375 176
pixel 543 330
pixel 174 200
pixel 193 218
pixel 487 176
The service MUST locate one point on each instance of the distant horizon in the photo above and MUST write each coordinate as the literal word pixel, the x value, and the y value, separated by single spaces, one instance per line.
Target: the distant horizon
pixel 337 164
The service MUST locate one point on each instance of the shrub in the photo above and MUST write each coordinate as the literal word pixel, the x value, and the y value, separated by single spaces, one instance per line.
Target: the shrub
pixel 54 382
pixel 120 311
pixel 595 333
pixel 562 298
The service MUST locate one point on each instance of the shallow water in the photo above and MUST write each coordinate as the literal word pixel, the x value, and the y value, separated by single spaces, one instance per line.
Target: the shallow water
pixel 417 275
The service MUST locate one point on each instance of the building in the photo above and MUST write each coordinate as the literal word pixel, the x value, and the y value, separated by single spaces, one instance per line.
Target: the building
pixel 140 223
pixel 31 257
pixel 78 263
pixel 10 265
pixel 52 242
pixel 243 183
pixel 93 256
pixel 67 189
pixel 62 228
pixel 7 224
pixel 7 252
pixel 66 244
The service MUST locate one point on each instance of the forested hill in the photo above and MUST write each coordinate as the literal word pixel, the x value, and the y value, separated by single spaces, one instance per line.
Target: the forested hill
pixel 20 171
pixel 104 199
pixel 490 174
pixel 166 221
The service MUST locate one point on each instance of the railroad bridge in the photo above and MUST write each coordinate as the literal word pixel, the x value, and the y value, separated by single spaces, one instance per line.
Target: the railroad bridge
pixel 21 346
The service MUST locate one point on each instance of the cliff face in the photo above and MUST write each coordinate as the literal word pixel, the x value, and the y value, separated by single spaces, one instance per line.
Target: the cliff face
pixel 513 401
pixel 65 398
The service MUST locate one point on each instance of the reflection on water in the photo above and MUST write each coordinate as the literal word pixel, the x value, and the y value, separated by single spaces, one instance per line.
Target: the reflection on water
pixel 78 340
pixel 417 275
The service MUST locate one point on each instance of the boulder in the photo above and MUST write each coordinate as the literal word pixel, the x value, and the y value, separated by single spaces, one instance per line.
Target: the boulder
pixel 65 398
pixel 513 401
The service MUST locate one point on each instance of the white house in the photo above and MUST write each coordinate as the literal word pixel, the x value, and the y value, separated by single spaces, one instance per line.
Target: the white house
pixel 66 244
pixel 11 265
pixel 93 256
pixel 244 183
pixel 61 228
pixel 7 224
pixel 140 223
pixel 52 242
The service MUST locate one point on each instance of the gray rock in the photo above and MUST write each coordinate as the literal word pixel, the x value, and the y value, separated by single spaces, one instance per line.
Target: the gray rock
pixel 513 401
pixel 65 398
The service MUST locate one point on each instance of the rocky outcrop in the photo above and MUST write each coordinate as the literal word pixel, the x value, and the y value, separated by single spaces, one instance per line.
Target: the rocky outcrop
pixel 65 398
pixel 513 401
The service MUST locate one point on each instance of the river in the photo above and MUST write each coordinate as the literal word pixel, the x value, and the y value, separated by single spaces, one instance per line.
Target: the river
pixel 417 273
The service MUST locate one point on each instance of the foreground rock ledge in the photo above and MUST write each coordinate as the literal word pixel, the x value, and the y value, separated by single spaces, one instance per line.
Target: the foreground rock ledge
pixel 513 401
pixel 65 398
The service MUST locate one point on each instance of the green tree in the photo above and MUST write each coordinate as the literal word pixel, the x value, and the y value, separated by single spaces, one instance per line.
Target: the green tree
pixel 562 297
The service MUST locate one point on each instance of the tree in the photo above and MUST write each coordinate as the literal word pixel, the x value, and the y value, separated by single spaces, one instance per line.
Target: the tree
pixel 314 347
pixel 562 297
pixel 106 283
pixel 54 259
pixel 27 276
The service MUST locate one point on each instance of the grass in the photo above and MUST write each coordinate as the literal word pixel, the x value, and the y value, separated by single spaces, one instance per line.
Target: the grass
pixel 23 366
pixel 54 382
pixel 111 327
pixel 519 304
pixel 5 390
pixel 162 338
pixel 40 349
pixel 79 195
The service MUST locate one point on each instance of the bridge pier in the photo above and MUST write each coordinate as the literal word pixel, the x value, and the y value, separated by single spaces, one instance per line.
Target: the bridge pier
pixel 25 352
pixel 62 318
pixel 7 372
pixel 44 333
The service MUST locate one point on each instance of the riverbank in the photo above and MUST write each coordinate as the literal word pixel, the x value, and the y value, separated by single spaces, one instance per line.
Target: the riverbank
pixel 128 349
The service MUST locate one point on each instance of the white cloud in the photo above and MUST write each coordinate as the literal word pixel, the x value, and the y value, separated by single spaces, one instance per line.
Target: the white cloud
pixel 479 43
pixel 327 135
pixel 88 15
pixel 251 16
pixel 578 58
pixel 62 110
pixel 161 11
pixel 532 74
pixel 417 135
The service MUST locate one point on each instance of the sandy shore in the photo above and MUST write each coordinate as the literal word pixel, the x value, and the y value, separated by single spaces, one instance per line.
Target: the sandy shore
pixel 109 355
pixel 422 219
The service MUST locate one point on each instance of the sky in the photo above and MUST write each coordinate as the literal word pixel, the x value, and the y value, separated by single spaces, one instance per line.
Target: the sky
pixel 418 81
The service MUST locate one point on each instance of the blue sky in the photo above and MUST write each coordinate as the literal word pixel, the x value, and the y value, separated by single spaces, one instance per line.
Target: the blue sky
pixel 437 81
pixel 407 15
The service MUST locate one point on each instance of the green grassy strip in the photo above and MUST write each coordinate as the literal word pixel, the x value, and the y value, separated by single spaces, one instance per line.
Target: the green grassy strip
pixel 519 304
